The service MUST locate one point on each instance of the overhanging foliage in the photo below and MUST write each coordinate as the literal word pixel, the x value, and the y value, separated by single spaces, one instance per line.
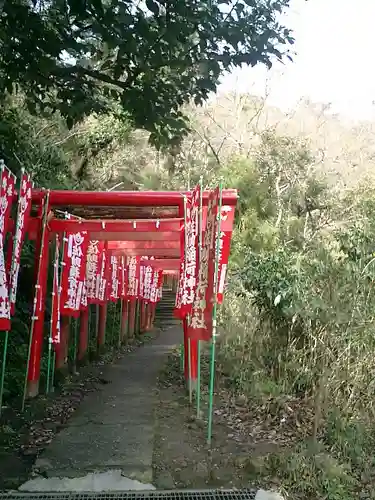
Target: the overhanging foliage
pixel 79 56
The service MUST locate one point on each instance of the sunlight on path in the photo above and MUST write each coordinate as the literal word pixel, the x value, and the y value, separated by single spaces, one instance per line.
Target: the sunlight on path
pixel 112 480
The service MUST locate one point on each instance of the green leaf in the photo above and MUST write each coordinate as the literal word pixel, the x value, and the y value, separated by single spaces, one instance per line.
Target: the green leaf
pixel 155 68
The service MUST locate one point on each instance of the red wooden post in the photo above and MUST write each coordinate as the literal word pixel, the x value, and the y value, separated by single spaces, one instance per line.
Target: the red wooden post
pixel 147 316
pixel 62 348
pixel 186 351
pixel 192 352
pixel 67 338
pixel 132 306
pixel 33 373
pixel 102 324
pixel 150 308
pixel 153 310
pixel 124 319
pixel 83 334
pixel 143 312
pixel 193 363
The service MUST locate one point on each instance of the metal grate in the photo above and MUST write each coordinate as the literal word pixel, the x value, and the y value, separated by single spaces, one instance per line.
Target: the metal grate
pixel 247 494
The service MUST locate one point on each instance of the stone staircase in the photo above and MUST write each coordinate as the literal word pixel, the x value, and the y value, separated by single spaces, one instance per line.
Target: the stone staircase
pixel 164 311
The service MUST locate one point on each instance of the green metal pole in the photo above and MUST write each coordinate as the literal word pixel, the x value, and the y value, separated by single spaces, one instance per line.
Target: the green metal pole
pixel 46 207
pixel 5 350
pixel 199 380
pixel 199 259
pixel 53 371
pixel 75 345
pixel 214 317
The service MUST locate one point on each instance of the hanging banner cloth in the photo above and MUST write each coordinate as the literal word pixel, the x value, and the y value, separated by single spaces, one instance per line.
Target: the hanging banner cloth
pixel 148 273
pixel 180 304
pixel 84 303
pixel 9 193
pixel 189 260
pixel 142 267
pixel 226 230
pixel 123 278
pixel 114 284
pixel 211 241
pixel 103 278
pixel 6 193
pixel 93 269
pixel 157 283
pixel 74 272
pixel 133 277
pixel 192 254
pixel 23 216
pixel 8 246
pixel 200 327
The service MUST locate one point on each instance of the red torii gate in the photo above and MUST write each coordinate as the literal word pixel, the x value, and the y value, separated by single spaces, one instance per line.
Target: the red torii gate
pixel 139 223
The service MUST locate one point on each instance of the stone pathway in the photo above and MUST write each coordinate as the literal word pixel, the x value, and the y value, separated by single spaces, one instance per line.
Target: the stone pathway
pixel 113 429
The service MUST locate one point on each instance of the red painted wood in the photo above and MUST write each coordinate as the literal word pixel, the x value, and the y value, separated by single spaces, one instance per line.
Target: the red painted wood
pixel 38 327
pixel 153 310
pixel 194 361
pixel 83 334
pixel 143 245
pixel 61 349
pixel 164 264
pixel 102 324
pixel 193 357
pixel 113 225
pixel 186 351
pixel 143 312
pixel 132 306
pixel 124 319
pixel 124 198
pixel 153 236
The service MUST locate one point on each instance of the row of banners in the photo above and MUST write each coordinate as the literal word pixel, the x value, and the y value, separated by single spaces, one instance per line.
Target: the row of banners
pixel 202 268
pixel 9 268
pixel 91 274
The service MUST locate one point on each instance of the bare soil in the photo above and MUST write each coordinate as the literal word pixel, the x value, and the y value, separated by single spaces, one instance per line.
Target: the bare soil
pixel 244 436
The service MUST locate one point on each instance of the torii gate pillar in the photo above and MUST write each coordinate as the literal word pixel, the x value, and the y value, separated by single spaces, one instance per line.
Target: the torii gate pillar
pixel 33 373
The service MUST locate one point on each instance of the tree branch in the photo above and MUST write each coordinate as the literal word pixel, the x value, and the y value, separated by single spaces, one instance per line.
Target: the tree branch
pixel 96 75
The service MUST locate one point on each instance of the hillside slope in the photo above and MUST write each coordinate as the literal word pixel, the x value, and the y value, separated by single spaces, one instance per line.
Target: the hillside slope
pixel 230 124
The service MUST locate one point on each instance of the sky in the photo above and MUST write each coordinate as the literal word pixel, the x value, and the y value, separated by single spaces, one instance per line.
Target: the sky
pixel 335 61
